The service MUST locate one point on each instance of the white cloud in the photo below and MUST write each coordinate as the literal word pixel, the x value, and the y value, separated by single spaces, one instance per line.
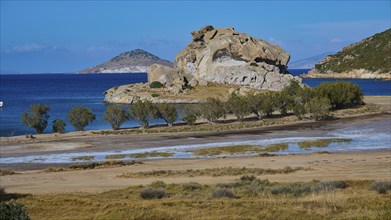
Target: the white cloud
pixel 33 48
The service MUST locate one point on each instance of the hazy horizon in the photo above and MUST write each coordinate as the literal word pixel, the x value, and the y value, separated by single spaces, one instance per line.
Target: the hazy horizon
pixel 68 36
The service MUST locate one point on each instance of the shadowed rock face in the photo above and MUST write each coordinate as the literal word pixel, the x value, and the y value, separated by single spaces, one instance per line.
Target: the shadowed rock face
pixel 223 55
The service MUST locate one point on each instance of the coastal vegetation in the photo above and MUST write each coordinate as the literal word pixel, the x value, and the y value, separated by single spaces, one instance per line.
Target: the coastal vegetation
pixel 36 117
pixel 80 117
pixel 115 115
pixel 11 211
pixel 58 126
pixel 248 197
pixel 371 54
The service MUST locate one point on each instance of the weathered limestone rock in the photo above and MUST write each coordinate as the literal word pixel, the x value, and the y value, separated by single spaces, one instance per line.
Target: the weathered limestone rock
pixel 223 55
pixel 164 74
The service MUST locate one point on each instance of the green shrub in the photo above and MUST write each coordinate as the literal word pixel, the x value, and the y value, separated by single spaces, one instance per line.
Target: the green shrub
pixel 192 186
pixel 115 115
pixel 142 111
pixel 190 114
pixel 13 211
pixel 341 94
pixel 58 126
pixel 151 193
pixel 212 109
pixel 166 112
pixel 158 184
pixel 380 187
pixel 319 108
pixel 222 193
pixel 329 186
pixel 238 106
pixel 36 117
pixel 248 178
pixel 155 85
pixel 154 95
pixel 80 117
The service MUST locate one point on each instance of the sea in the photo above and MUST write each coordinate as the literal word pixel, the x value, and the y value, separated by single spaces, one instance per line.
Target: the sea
pixel 65 91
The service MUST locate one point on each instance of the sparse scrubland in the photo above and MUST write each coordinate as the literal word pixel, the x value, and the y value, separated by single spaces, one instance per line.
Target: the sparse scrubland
pixel 246 198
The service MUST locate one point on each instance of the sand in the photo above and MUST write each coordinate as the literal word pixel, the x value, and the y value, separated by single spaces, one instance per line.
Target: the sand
pixel 324 167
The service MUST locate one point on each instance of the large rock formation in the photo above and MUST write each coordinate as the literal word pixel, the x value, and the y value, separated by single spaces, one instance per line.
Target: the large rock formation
pixel 223 55
pixel 135 61
pixel 369 58
pixel 220 56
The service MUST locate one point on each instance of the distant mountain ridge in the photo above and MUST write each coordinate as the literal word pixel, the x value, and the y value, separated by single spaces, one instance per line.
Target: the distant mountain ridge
pixel 135 61
pixel 309 62
pixel 369 58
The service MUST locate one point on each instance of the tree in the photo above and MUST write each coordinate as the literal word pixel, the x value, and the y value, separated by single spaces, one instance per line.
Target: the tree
pixel 238 106
pixel 167 112
pixel 36 118
pixel 190 114
pixel 115 115
pixel 269 103
pixel 255 102
pixel 80 117
pixel 341 94
pixel 58 126
pixel 319 107
pixel 212 109
pixel 142 111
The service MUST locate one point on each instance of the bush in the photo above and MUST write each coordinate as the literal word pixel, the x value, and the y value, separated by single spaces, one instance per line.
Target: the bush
pixel 115 115
pixel 380 187
pixel 158 184
pixel 36 117
pixel 155 85
pixel 167 112
pixel 58 126
pixel 80 117
pixel 150 193
pixel 269 103
pixel 142 111
pixel 212 109
pixel 329 185
pixel 341 94
pixel 192 186
pixel 13 211
pixel 319 108
pixel 190 114
pixel 238 106
pixel 248 178
pixel 222 193
pixel 154 95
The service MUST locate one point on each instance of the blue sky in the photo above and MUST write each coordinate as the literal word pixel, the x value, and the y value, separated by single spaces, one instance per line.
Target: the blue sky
pixel 67 36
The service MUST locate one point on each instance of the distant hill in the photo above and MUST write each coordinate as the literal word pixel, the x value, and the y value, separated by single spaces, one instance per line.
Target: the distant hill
pixel 369 58
pixel 135 61
pixel 309 62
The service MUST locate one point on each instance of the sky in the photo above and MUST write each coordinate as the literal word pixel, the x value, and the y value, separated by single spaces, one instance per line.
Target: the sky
pixel 68 36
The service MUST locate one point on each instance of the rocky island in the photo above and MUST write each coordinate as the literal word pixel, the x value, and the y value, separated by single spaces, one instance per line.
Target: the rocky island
pixel 217 61
pixel 135 61
pixel 367 59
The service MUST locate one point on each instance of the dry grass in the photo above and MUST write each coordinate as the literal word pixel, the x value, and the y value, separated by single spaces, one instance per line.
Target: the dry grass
pixel 6 172
pixel 223 171
pixel 321 143
pixel 238 149
pixel 151 154
pixel 181 202
pixel 93 165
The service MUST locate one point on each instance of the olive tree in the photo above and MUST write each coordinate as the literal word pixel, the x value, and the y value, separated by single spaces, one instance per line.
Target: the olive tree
pixel 58 126
pixel 238 106
pixel 115 115
pixel 166 112
pixel 212 109
pixel 142 111
pixel 80 117
pixel 341 94
pixel 36 117
pixel 319 108
pixel 190 114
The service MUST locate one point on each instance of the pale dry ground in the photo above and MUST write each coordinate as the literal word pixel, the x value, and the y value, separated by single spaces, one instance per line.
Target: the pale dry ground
pixel 325 167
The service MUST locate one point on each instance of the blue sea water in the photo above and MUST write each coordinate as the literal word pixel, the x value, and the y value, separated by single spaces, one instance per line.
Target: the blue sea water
pixel 65 91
